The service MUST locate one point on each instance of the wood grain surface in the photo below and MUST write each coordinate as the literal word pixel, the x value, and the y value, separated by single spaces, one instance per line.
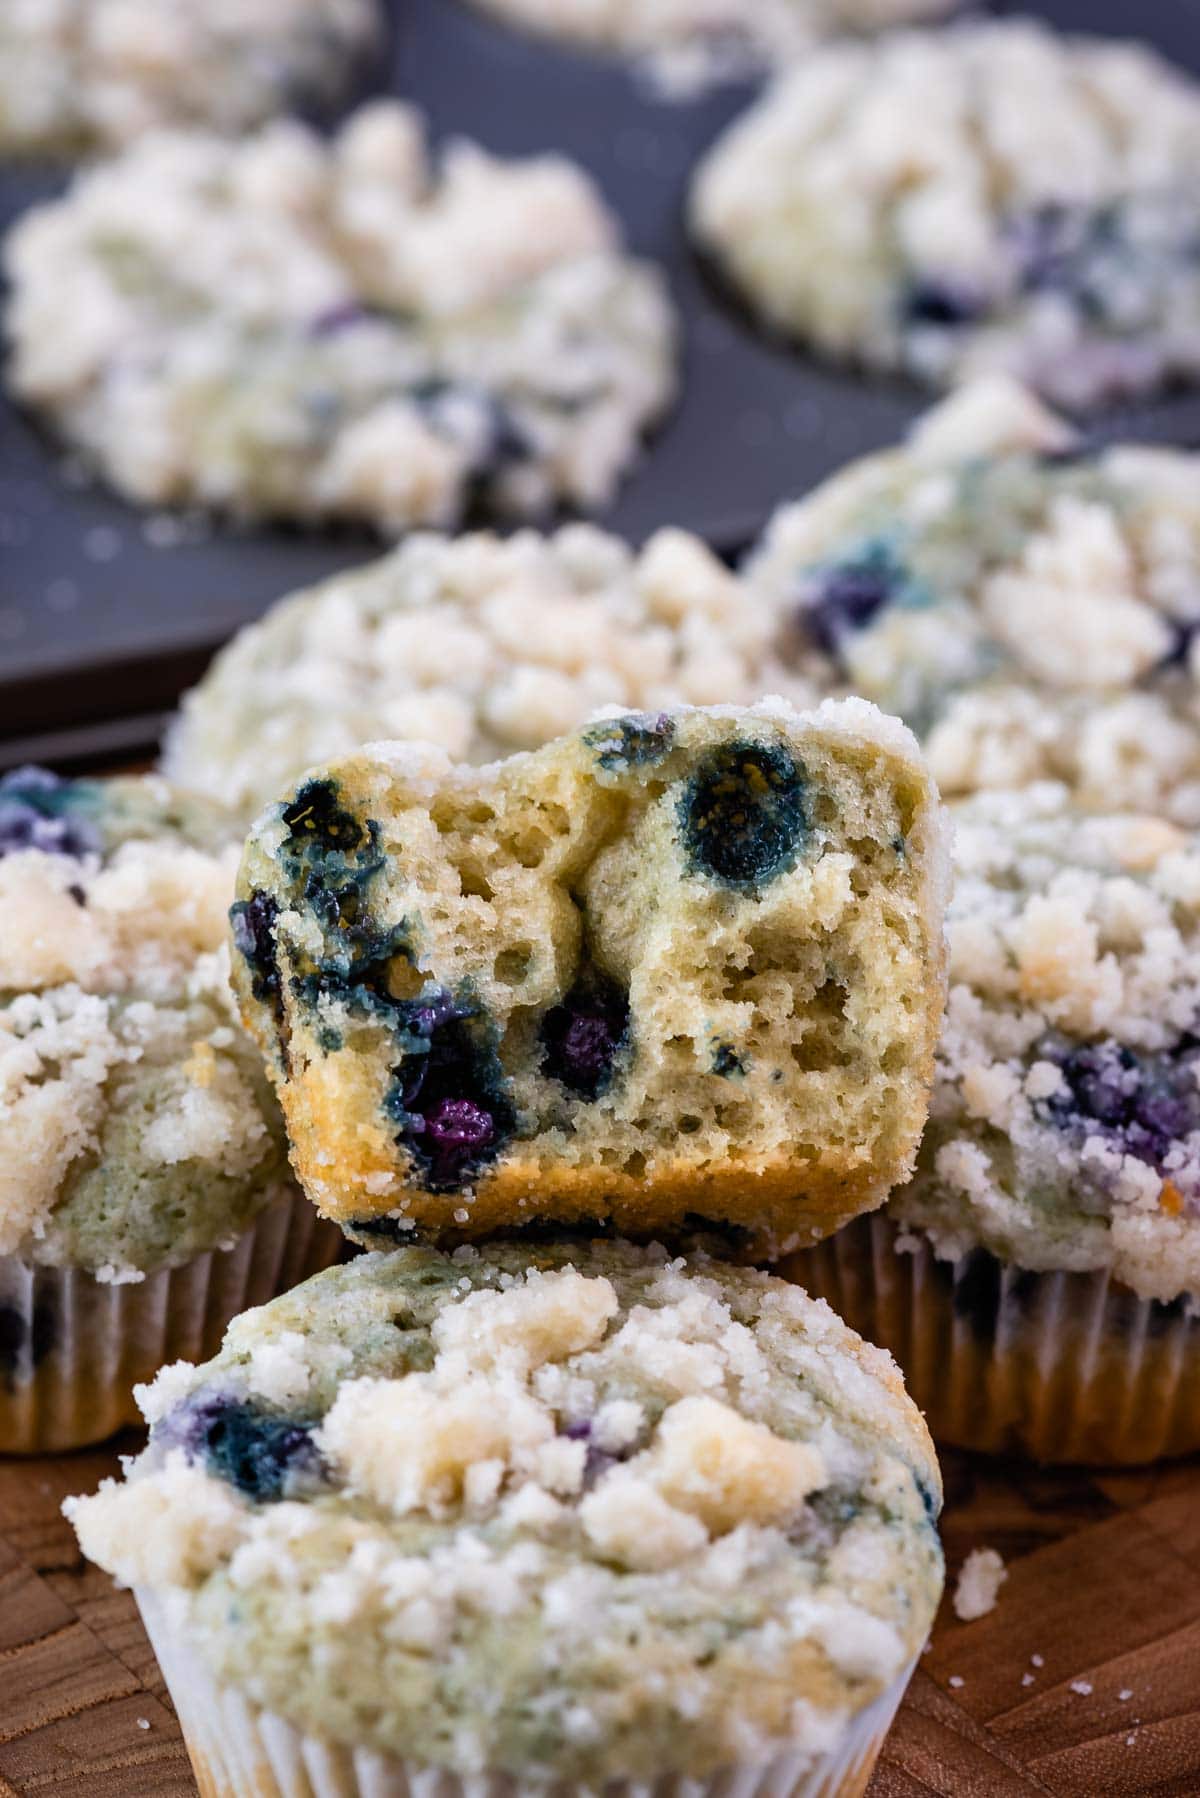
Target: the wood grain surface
pixel 1103 1585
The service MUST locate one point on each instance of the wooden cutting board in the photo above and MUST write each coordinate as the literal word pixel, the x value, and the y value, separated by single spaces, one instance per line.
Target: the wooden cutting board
pixel 1103 1586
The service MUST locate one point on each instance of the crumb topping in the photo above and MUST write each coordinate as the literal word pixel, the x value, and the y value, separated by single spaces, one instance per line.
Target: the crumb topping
pixel 1064 1130
pixel 482 645
pixel 1028 607
pixel 135 1123
pixel 504 1451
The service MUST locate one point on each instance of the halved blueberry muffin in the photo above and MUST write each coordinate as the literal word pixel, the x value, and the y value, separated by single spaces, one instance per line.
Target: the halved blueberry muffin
pixel 674 968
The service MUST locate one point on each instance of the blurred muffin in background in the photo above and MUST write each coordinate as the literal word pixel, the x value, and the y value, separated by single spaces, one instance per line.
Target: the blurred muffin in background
pixel 480 644
pixel 988 199
pixel 284 327
pixel 688 44
pixel 1029 605
pixel 80 75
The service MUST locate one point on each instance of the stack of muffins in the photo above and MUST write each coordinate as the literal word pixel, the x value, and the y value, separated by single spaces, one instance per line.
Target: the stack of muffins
pixel 620 1017
pixel 553 1488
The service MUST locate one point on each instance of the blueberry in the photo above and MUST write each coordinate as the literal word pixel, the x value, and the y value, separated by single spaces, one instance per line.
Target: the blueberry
pixel 843 598
pixel 343 317
pixel 253 924
pixel 262 1454
pixel 40 811
pixel 598 1460
pixel 947 304
pixel 1143 1104
pixel 633 741
pixel 742 815
pixel 316 819
pixel 448 1091
pixel 582 1036
pixel 726 1061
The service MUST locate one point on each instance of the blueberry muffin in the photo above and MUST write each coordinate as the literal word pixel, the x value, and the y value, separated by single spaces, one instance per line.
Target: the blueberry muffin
pixel 673 968
pixel 1026 603
pixel 1038 1276
pixel 480 644
pixel 535 1519
pixel 76 75
pixel 993 198
pixel 688 44
pixel 144 1184
pixel 291 328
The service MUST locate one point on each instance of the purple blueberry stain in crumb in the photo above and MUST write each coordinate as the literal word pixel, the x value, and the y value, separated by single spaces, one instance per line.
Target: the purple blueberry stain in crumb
pixel 40 811
pixel 448 1094
pixel 1144 1104
pixel 839 599
pixel 582 1036
pixel 598 1461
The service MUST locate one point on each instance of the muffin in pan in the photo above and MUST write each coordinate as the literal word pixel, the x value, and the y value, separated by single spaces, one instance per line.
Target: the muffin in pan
pixel 686 45
pixel 522 1519
pixel 80 75
pixel 1026 602
pixel 990 198
pixel 674 968
pixel 482 645
pixel 144 1186
pixel 292 328
pixel 1038 1277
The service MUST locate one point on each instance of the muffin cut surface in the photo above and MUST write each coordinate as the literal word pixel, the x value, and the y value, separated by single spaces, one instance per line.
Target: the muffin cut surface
pixel 671 970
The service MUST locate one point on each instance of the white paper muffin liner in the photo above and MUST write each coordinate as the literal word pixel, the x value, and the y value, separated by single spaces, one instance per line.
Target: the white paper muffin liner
pixel 239 1750
pixel 1060 1367
pixel 72 1348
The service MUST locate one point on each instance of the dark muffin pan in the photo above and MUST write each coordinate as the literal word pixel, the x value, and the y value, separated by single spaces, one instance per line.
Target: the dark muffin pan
pixel 106 613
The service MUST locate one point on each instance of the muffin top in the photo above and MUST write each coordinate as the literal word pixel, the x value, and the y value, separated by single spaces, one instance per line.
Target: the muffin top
pixel 480 644
pixel 579 1511
pixel 81 74
pixel 1064 1131
pixel 136 1125
pixel 298 327
pixel 1027 605
pixel 990 198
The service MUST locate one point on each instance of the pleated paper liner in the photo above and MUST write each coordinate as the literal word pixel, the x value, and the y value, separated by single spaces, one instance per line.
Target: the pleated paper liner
pixel 239 1750
pixel 1059 1367
pixel 72 1348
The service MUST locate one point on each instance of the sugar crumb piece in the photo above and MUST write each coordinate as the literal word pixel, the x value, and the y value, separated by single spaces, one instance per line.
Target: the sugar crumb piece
pixel 1027 1679
pixel 1082 1686
pixel 143 1722
pixel 1037 1660
pixel 983 1573
pixel 956 1680
pixel 1125 1694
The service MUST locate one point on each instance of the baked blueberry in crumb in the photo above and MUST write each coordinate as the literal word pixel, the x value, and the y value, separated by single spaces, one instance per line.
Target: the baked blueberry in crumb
pixel 838 601
pixel 262 1454
pixel 448 1093
pixel 726 1061
pixel 40 811
pixel 634 741
pixel 316 820
pixel 253 924
pixel 742 815
pixel 947 305
pixel 583 1035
